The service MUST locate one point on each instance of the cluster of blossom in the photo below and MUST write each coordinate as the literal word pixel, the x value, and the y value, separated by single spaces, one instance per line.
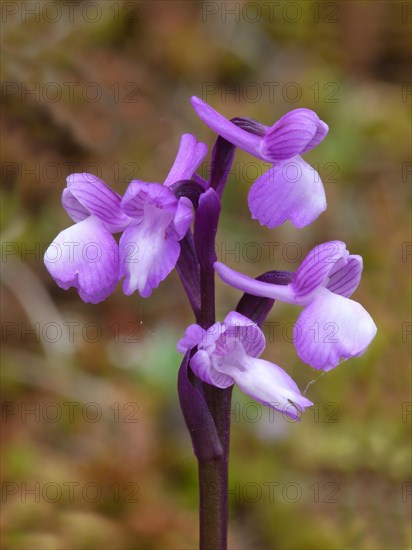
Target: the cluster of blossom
pixel 149 217
pixel 155 221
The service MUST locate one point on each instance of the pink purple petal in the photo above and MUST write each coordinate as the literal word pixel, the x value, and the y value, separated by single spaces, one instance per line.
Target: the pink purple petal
pixel 345 276
pixel 291 190
pixel 73 207
pixel 290 135
pixel 146 257
pixel 182 219
pixel 332 329
pixel 189 156
pixel 192 337
pixel 270 385
pixel 243 330
pixel 201 365
pixel 317 265
pixel 222 126
pixel 96 197
pixel 253 286
pixel 85 256
pixel 212 338
pixel 321 132
pixel 141 196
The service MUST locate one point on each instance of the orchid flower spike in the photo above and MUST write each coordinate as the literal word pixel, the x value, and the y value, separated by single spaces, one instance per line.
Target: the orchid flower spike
pixel 291 189
pixel 331 327
pixel 228 353
pixel 85 255
pixel 149 247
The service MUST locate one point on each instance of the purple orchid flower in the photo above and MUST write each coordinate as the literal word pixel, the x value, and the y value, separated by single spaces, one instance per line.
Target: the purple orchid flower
pixel 228 353
pixel 149 246
pixel 85 255
pixel 291 189
pixel 331 327
pixel 152 219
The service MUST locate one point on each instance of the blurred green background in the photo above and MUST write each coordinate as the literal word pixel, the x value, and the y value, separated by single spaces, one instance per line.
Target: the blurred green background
pixel 95 452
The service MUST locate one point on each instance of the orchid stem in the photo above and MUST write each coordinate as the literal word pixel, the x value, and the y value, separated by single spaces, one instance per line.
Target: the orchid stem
pixel 213 474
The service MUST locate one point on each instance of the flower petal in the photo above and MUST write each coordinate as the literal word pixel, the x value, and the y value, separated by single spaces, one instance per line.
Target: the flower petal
pixel 85 256
pixel 182 219
pixel 291 190
pixel 73 207
pixel 270 385
pixel 332 329
pixel 317 265
pixel 96 197
pixel 211 337
pixel 253 286
pixel 243 330
pixel 142 197
pixel 290 135
pixel 321 132
pixel 192 336
pixel 257 308
pixel 190 154
pixel 201 365
pixel 146 258
pixel 345 277
pixel 222 126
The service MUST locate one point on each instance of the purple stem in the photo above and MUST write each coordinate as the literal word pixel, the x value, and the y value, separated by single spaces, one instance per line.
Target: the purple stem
pixel 213 474
pixel 195 268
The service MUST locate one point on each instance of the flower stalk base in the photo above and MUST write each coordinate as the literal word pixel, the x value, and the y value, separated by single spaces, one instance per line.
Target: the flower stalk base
pixel 213 476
